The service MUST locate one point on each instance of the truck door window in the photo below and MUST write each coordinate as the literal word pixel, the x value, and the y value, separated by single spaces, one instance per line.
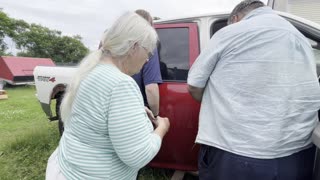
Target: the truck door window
pixel 174 53
pixel 217 25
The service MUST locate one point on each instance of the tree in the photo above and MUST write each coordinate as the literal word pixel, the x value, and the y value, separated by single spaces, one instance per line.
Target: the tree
pixel 9 28
pixel 5 27
pixel 39 41
pixel 69 49
pixel 34 40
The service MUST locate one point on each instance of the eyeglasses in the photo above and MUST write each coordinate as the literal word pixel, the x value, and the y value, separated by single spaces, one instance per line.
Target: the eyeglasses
pixel 149 53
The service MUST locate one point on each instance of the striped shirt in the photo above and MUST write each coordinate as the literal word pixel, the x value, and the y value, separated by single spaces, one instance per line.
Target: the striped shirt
pixel 108 135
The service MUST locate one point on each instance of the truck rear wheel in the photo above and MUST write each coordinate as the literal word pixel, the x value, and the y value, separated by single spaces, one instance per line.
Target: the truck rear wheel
pixel 60 126
pixel 58 103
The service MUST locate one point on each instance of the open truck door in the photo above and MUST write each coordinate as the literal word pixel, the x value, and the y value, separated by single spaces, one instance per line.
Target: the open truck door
pixel 278 5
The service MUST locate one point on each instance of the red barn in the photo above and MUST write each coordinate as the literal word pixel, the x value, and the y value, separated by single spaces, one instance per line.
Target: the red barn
pixel 19 70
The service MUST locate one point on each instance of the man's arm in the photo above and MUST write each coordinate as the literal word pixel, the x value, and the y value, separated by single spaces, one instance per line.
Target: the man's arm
pixel 152 93
pixel 151 78
pixel 203 67
pixel 196 92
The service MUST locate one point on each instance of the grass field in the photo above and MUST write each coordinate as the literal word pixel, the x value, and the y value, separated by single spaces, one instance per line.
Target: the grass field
pixel 27 138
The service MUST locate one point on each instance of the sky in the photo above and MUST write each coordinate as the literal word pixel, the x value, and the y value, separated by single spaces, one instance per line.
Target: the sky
pixel 89 18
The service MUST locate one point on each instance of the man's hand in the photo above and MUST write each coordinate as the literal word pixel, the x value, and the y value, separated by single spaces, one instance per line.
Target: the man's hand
pixel 196 92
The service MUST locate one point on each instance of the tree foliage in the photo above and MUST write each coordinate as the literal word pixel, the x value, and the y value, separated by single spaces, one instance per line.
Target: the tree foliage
pixel 5 29
pixel 34 40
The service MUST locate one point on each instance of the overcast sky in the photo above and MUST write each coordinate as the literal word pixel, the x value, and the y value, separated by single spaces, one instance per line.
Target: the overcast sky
pixel 89 18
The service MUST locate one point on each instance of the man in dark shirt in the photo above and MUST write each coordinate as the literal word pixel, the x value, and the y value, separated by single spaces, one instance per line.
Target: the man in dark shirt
pixel 150 76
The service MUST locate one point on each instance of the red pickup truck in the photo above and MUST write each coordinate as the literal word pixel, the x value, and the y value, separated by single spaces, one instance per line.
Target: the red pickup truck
pixel 181 42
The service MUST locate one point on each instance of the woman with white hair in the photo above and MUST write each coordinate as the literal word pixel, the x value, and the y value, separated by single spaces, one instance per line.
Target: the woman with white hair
pixel 108 133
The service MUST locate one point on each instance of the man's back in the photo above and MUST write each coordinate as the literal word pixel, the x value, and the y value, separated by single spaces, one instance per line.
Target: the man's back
pixel 263 89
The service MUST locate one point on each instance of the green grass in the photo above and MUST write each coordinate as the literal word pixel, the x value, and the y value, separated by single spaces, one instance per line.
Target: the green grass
pixel 27 138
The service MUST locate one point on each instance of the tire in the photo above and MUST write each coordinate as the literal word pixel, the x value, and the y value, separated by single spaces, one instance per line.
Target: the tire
pixel 58 103
pixel 60 126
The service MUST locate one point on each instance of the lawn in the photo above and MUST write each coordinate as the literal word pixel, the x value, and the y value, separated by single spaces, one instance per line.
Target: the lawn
pixel 27 138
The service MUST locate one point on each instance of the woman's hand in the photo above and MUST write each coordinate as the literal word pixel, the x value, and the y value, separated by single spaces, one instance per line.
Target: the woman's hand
pixel 162 125
pixel 149 113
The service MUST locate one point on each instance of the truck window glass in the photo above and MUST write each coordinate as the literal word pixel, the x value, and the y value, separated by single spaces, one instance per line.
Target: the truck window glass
pixel 217 25
pixel 174 53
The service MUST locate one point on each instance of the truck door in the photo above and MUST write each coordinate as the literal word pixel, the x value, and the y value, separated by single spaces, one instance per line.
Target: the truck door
pixel 178 48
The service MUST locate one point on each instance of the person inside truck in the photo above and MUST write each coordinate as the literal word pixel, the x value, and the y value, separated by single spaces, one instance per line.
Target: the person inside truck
pixel 108 132
pixel 150 76
pixel 257 84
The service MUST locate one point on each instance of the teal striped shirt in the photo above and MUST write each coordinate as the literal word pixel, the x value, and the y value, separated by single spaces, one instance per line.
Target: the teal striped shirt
pixel 108 135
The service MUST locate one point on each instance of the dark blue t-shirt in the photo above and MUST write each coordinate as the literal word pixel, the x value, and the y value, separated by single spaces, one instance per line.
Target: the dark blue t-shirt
pixel 150 73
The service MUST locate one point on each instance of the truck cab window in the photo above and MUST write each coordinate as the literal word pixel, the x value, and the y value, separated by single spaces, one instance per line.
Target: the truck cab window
pixel 174 53
pixel 217 25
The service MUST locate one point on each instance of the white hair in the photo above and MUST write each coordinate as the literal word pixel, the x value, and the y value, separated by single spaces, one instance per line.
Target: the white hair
pixel 128 30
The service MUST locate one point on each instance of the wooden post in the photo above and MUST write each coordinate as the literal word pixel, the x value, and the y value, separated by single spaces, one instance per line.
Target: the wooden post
pixel 3 94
